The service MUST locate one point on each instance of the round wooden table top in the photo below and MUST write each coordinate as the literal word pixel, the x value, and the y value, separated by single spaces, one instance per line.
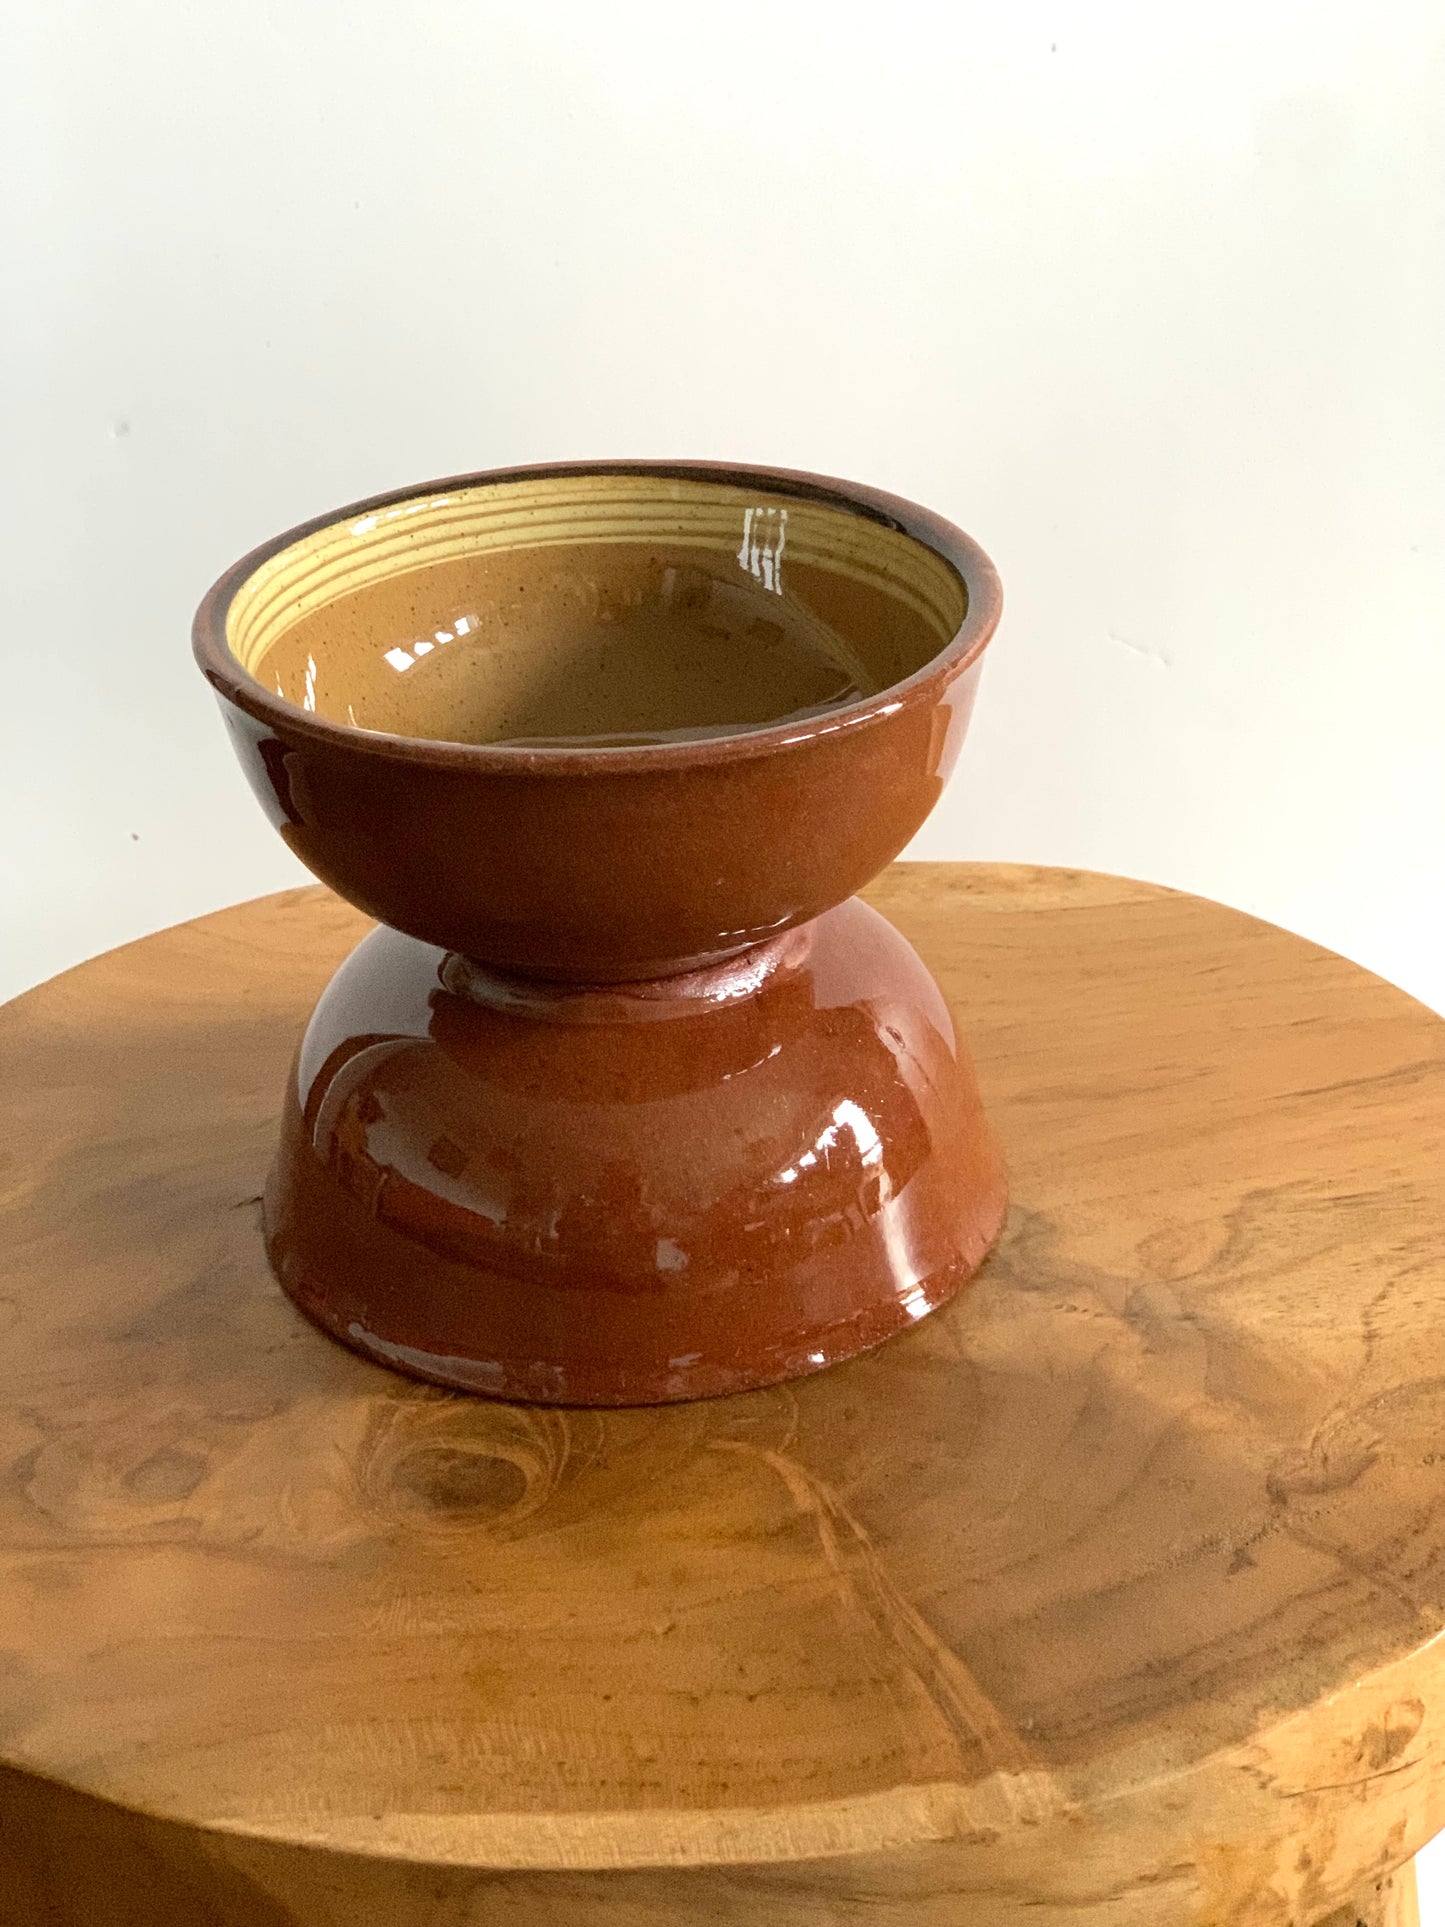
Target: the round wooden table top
pixel 1112 1593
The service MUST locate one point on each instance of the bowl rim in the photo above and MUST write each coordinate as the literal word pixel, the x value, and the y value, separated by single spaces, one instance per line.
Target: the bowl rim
pixel 960 652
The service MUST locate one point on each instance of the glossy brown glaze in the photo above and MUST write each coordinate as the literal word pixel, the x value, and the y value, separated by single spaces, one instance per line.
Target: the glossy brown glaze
pixel 627 1102
pixel 632 1195
pixel 603 863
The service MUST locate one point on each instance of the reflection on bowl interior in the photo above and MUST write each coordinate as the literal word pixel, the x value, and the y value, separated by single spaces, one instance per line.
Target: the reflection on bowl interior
pixel 592 608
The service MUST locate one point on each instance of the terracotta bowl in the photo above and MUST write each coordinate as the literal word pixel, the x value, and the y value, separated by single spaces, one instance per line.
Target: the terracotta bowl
pixel 628 1102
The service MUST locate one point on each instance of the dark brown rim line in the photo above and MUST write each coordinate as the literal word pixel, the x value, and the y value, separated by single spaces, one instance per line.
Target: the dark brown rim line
pixel 980 579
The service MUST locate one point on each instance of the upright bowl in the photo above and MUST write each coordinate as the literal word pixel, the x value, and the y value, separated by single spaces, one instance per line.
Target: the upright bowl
pixel 593 863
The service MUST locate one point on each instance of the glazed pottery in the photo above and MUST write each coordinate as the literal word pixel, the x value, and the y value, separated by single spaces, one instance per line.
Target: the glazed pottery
pixel 626 1101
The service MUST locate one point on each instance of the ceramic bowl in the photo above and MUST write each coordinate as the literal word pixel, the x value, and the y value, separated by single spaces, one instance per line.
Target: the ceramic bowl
pixel 342 652
pixel 627 1101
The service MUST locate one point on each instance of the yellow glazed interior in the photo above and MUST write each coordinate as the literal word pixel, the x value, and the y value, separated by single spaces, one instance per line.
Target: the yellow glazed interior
pixel 631 607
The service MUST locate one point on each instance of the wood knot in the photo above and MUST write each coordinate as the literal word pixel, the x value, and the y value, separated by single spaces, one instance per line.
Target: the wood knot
pixel 1386 1739
pixel 1338 1454
pixel 460 1478
pixel 444 1464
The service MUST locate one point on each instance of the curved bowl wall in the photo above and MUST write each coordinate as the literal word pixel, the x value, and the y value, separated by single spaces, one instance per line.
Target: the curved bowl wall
pixel 636 1196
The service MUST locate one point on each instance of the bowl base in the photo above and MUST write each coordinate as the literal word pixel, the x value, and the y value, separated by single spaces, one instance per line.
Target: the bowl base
pixel 632 1194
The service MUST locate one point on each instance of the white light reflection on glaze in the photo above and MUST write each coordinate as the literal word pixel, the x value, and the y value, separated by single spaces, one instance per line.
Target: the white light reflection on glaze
pixel 366 523
pixel 846 1116
pixel 403 656
pixel 765 531
pixel 888 709
pixel 483 1374
pixel 755 930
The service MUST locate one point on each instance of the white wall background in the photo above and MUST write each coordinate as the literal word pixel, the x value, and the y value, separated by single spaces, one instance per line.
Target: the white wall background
pixel 1150 298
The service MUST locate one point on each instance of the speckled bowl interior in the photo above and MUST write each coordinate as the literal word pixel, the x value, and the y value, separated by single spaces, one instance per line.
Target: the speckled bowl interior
pixel 621 607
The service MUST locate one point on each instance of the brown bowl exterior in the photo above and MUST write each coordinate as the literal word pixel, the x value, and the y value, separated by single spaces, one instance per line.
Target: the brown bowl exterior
pixel 611 864
pixel 633 1194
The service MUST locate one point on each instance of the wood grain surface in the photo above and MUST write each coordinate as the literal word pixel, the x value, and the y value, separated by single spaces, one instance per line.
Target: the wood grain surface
pixel 1111 1594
